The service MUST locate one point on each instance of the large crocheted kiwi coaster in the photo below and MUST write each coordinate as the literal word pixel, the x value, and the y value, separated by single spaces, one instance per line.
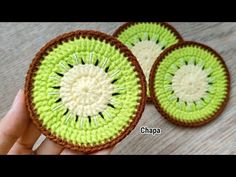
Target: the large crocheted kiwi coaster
pixel 189 84
pixel 147 41
pixel 85 91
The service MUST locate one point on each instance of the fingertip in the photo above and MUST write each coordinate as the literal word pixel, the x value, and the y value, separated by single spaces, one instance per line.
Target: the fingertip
pixel 17 117
pixel 17 97
pixel 14 123
pixel 19 106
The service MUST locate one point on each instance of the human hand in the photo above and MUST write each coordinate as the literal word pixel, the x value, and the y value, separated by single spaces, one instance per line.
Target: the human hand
pixel 18 134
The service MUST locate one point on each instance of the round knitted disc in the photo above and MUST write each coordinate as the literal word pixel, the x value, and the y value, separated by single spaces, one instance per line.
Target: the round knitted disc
pixel 85 90
pixel 189 84
pixel 147 41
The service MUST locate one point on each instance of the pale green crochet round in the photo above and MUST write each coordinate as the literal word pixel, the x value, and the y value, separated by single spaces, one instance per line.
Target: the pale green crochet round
pixel 150 35
pixel 93 129
pixel 208 67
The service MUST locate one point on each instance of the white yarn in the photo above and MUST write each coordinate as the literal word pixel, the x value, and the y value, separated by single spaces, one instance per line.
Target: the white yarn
pixel 146 52
pixel 190 83
pixel 86 90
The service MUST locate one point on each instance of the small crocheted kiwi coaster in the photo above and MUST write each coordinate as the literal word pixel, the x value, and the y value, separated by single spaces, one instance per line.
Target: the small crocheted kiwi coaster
pixel 85 91
pixel 189 84
pixel 147 41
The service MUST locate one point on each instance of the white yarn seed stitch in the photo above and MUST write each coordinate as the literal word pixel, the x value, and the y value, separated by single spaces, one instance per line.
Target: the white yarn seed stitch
pixel 190 83
pixel 146 53
pixel 86 90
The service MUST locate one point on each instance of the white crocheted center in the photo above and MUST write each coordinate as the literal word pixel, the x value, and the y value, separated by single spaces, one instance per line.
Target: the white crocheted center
pixel 146 52
pixel 86 90
pixel 190 83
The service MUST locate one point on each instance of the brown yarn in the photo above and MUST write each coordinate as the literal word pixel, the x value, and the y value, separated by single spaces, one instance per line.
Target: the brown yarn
pixel 125 26
pixel 153 94
pixel 34 67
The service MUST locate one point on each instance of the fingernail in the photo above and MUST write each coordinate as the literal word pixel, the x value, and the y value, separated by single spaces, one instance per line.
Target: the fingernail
pixel 17 98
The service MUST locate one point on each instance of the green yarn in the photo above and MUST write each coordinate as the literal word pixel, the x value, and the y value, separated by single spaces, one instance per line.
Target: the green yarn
pixel 90 133
pixel 156 32
pixel 202 108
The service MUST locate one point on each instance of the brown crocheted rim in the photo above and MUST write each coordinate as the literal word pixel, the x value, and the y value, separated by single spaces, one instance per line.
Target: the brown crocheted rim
pixel 152 80
pixel 34 67
pixel 125 26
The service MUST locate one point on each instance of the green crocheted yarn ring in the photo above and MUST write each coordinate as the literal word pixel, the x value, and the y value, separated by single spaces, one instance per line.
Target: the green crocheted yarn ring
pixel 147 41
pixel 190 84
pixel 86 90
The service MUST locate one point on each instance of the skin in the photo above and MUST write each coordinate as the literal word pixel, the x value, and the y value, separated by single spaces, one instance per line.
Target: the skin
pixel 18 134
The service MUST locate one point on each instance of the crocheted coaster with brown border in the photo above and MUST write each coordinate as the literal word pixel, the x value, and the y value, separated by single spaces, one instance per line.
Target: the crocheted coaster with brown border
pixel 85 91
pixel 147 40
pixel 189 84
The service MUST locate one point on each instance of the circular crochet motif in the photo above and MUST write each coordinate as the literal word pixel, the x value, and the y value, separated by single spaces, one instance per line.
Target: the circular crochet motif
pixel 189 84
pixel 147 41
pixel 85 91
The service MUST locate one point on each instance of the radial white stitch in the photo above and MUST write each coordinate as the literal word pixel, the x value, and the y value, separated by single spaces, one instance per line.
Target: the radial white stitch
pixel 54 78
pixel 53 93
pixel 119 88
pixel 115 103
pixel 115 73
pixel 95 121
pixel 81 122
pixel 91 57
pixel 107 113
pixel 145 35
pixel 104 63
pixel 75 58
pixel 63 66
pixel 67 117
pixel 56 107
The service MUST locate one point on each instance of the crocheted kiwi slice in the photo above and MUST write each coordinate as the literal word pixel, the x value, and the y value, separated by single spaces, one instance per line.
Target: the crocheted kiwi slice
pixel 85 90
pixel 147 41
pixel 189 84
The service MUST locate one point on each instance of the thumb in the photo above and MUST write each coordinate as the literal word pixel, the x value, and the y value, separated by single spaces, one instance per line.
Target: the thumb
pixel 14 123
